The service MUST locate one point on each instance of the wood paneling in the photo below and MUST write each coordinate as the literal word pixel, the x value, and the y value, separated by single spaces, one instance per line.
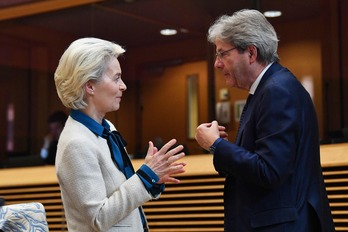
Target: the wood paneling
pixel 196 204
pixel 38 7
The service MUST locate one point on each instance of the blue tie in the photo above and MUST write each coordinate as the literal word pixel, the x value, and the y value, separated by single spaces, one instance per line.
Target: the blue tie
pixel 242 117
pixel 116 145
pixel 119 155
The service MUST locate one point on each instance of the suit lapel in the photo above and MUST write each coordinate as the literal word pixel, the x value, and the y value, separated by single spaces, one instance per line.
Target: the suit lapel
pixel 272 69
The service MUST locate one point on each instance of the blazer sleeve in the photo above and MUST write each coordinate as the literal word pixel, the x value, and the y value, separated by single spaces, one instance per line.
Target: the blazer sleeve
pixel 91 184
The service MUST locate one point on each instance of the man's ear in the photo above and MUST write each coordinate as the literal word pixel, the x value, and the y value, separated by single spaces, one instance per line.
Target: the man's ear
pixel 252 50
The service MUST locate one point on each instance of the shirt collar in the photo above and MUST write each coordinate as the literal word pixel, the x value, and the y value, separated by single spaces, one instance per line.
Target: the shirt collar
pixel 90 123
pixel 258 79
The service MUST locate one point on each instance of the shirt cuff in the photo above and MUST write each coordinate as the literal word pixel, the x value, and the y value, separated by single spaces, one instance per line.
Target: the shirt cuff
pixel 150 179
pixel 44 153
pixel 213 147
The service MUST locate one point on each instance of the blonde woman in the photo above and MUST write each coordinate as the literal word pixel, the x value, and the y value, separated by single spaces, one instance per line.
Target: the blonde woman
pixel 100 190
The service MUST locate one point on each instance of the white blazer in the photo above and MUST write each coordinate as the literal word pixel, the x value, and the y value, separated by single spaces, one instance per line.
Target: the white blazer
pixel 95 193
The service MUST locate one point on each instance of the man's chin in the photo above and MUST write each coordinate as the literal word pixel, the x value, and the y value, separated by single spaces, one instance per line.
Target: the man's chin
pixel 230 83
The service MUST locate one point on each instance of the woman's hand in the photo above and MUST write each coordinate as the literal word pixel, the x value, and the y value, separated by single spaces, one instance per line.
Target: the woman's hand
pixel 164 161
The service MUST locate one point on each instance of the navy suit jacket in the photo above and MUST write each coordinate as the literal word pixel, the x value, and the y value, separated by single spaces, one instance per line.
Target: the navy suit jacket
pixel 273 174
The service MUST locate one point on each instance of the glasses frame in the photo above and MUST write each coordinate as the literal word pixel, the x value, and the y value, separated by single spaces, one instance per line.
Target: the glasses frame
pixel 220 55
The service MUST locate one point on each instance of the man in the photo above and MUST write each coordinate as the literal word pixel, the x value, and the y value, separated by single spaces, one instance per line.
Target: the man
pixel 273 174
pixel 56 122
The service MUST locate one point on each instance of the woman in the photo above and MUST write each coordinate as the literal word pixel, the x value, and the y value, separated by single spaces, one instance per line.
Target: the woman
pixel 99 188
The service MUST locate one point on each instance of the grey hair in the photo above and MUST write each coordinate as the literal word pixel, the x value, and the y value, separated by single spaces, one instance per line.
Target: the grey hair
pixel 244 28
pixel 84 60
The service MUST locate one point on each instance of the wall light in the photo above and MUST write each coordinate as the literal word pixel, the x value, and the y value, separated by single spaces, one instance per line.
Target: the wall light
pixel 168 32
pixel 272 13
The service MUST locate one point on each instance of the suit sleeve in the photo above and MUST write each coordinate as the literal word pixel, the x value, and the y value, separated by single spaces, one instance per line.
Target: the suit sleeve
pixel 267 152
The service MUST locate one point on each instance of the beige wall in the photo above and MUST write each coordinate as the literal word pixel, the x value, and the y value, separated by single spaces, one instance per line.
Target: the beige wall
pixel 163 96
pixel 164 103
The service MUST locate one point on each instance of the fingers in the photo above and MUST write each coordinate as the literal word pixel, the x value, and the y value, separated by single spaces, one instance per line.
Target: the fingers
pixel 164 162
pixel 150 152
pixel 169 179
pixel 174 169
pixel 223 134
pixel 168 145
pixel 207 124
pixel 150 146
pixel 169 153
pixel 174 158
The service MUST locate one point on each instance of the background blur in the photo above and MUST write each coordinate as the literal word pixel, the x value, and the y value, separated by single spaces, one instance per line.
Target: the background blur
pixel 172 84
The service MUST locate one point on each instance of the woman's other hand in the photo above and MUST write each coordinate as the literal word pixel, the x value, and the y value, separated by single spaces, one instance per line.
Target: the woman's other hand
pixel 164 161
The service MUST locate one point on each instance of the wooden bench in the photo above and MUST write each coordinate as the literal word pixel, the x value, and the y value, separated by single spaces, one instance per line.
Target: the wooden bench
pixel 194 205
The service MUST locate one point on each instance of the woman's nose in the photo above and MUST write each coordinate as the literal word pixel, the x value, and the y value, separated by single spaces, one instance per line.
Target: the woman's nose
pixel 123 86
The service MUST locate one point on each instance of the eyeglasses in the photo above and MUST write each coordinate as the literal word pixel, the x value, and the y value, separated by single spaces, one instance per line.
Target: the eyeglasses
pixel 221 55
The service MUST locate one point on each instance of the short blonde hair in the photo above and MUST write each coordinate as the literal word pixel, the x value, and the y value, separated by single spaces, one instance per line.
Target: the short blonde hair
pixel 84 60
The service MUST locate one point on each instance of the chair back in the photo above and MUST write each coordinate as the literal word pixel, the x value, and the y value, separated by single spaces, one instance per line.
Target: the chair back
pixel 23 217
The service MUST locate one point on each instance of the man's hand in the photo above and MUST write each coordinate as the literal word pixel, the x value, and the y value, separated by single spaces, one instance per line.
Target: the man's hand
pixel 207 133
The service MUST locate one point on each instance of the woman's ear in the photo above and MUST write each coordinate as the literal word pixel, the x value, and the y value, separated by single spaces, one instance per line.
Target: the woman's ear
pixel 89 88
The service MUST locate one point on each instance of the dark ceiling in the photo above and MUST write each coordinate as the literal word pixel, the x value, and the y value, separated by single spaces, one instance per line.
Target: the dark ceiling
pixel 137 23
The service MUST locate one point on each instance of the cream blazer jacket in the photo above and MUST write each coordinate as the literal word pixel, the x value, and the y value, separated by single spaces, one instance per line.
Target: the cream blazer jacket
pixel 95 193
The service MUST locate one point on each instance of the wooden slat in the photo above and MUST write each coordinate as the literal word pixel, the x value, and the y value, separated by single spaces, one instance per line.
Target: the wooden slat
pixel 183 209
pixel 336 212
pixel 33 196
pixel 333 155
pixel 338 196
pixel 336 180
pixel 344 220
pixel 190 195
pixel 182 202
pixel 339 204
pixel 188 223
pixel 54 188
pixel 185 216
pixel 337 188
pixel 338 172
pixel 192 188
pixel 198 180
pixel 188 230
pixel 29 176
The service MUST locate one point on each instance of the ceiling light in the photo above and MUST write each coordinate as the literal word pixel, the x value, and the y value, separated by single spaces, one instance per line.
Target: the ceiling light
pixel 168 32
pixel 272 13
